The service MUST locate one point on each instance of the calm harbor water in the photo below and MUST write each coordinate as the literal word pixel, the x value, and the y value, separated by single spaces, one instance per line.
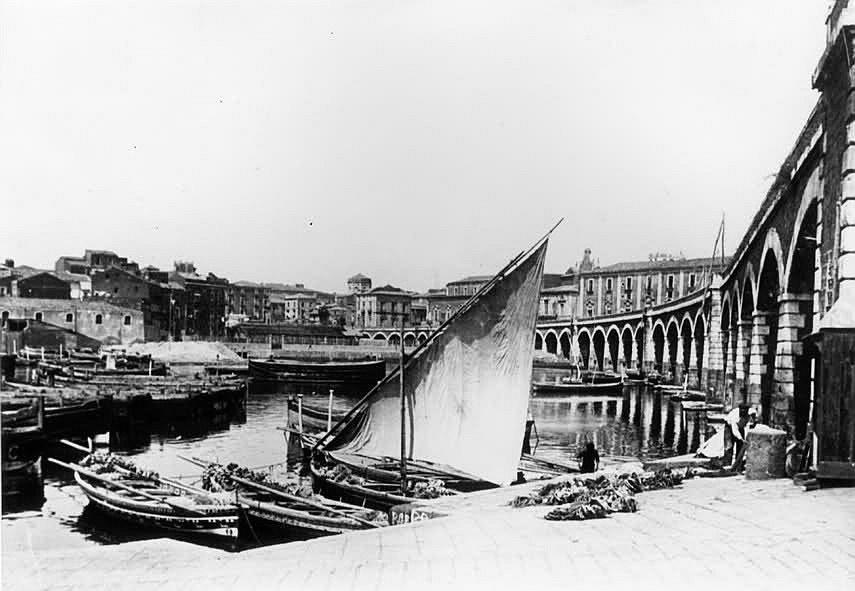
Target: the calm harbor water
pixel 640 423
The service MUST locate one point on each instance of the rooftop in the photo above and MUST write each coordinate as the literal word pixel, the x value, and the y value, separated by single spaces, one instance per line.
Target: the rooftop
pixel 42 304
pixel 662 264
pixel 472 279
pixel 358 277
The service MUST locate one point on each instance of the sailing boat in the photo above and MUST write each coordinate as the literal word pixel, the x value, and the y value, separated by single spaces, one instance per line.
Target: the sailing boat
pixel 455 421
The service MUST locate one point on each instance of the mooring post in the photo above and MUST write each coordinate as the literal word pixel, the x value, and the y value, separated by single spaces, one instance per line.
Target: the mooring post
pixel 300 413
pixel 329 412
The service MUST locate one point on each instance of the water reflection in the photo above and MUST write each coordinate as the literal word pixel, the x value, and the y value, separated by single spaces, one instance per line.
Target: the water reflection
pixel 627 425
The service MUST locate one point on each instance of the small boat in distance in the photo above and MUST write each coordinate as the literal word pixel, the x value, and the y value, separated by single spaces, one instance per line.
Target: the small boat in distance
pixel 347 373
pixel 589 383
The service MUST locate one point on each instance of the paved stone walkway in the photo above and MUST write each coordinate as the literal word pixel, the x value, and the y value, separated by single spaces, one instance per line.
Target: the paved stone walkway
pixel 709 533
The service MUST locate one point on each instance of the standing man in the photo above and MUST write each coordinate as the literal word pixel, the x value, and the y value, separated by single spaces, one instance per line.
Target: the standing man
pixel 734 434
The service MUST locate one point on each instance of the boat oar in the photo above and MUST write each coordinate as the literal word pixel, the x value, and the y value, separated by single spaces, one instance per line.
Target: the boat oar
pixel 76 446
pixel 107 481
pixel 157 479
pixel 284 495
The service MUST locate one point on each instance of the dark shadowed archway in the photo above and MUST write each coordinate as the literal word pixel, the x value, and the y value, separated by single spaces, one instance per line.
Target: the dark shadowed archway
pixel 626 342
pixel 800 286
pixel 658 348
pixel 584 341
pixel 768 292
pixel 672 336
pixel 551 342
pixel 564 344
pixel 614 344
pixel 599 348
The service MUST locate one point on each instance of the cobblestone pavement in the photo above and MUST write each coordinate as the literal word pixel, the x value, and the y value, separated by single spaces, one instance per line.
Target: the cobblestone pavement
pixel 706 534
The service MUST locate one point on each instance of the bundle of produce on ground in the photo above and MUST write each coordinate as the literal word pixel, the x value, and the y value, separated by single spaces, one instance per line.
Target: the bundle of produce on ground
pixel 596 497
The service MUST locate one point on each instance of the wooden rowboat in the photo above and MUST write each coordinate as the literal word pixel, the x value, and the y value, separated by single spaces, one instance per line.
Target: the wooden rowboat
pixel 153 502
pixel 269 505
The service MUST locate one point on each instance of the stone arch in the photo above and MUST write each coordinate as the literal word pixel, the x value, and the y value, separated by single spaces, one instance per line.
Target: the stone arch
pixel 583 342
pixel 726 367
pixel 613 340
pixel 797 311
pixel 550 340
pixel 599 342
pixel 764 339
pixel 672 336
pixel 379 337
pixel 421 338
pixel 409 340
pixel 394 339
pixel 699 335
pixel 658 337
pixel 365 335
pixel 687 330
pixel 772 243
pixel 638 337
pixel 807 209
pixel 747 300
pixel 627 337
pixel 565 343
pixel 538 341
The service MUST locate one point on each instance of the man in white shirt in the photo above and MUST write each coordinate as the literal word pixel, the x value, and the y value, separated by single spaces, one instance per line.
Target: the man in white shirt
pixel 734 434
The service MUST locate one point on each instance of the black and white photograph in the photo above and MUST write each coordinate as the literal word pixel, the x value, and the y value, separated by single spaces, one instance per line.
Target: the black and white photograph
pixel 378 295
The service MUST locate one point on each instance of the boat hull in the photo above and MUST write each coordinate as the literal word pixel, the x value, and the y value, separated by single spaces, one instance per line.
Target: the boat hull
pixel 342 373
pixel 557 389
pixel 220 524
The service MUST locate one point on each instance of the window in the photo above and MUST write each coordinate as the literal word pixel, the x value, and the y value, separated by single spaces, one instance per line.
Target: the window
pixel 99 319
pixel 69 317
pixel 670 282
pixel 590 286
pixel 649 282
pixel 692 280
pixel 38 316
pixel 127 320
pixel 629 283
pixel 4 316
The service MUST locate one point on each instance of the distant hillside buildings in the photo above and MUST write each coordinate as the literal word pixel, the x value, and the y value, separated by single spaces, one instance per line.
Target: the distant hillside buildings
pixel 183 304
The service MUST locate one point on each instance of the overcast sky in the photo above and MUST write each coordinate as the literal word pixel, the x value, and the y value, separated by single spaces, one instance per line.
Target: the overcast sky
pixel 415 141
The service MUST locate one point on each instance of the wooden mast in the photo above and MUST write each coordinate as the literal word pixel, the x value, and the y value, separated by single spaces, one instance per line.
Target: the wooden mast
pixel 403 412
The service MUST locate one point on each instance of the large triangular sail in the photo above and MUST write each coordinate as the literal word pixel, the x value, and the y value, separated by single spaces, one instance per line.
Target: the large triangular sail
pixel 467 390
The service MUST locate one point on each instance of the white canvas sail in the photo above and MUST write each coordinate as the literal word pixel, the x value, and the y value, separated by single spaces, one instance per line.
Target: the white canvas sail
pixel 467 391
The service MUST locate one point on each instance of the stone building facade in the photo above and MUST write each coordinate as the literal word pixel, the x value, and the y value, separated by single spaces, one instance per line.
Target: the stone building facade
pixel 105 322
pixel 629 286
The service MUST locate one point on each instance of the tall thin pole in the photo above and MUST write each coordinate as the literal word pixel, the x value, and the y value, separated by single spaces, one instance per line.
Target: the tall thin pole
pixel 403 414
